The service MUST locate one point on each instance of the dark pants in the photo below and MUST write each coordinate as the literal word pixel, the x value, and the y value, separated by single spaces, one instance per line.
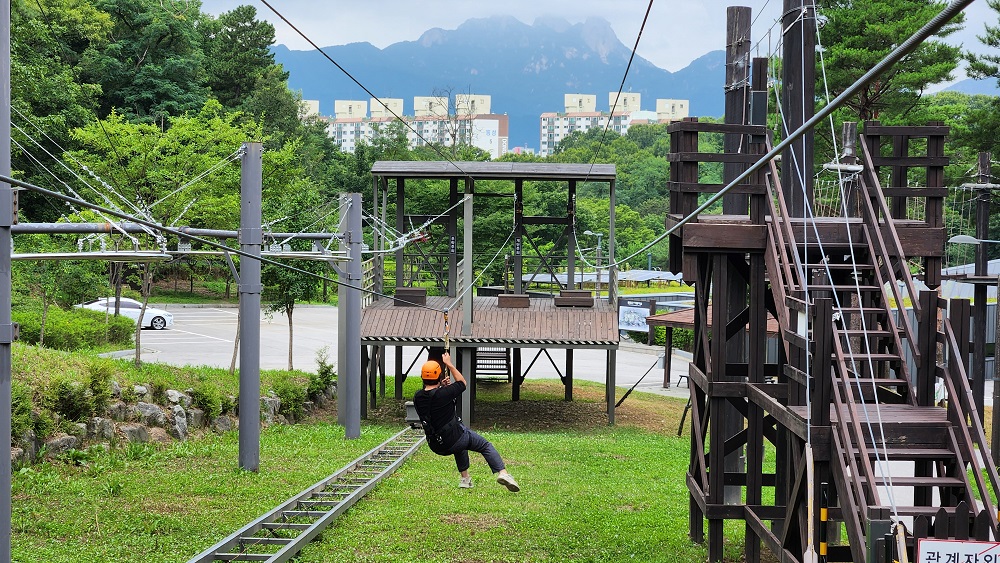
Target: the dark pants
pixel 470 440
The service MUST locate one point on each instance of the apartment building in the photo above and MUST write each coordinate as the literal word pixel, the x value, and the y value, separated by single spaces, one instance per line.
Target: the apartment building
pixel 468 121
pixel 580 114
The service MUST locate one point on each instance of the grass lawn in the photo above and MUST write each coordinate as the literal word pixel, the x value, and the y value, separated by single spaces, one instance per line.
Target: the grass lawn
pixel 589 492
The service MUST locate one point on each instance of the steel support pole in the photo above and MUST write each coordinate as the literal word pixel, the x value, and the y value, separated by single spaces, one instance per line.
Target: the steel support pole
pixel 251 240
pixel 612 265
pixel 349 310
pixel 978 370
pixel 6 327
pixel 995 437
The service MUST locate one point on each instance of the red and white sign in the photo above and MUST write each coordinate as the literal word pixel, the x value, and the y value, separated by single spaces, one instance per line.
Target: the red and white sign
pixel 930 550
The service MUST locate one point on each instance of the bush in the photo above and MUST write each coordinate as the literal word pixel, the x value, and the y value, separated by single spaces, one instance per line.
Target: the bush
pixel 99 384
pixel 128 394
pixel 69 398
pixel 683 338
pixel 43 423
pixel 324 377
pixel 158 389
pixel 76 329
pixel 207 397
pixel 20 405
pixel 228 404
pixel 292 395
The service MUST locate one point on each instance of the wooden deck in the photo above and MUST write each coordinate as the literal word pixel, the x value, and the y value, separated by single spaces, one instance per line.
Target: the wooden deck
pixel 541 324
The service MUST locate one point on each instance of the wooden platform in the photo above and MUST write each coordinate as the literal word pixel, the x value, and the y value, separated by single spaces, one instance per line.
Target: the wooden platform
pixel 541 324
pixel 916 237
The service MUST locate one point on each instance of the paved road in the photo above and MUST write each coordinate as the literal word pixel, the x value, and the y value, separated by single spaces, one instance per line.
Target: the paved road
pixel 205 335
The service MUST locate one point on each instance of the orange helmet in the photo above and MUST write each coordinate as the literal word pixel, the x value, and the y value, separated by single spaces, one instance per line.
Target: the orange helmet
pixel 431 371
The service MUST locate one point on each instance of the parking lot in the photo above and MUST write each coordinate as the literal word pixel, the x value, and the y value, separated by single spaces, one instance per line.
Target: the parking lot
pixel 206 336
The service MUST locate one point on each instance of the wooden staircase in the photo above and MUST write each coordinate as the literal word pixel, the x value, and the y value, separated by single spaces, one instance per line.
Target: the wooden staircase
pixel 868 371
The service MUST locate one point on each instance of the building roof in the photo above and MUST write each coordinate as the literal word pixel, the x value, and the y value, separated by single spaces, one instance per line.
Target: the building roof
pixel 540 324
pixel 495 170
pixel 685 319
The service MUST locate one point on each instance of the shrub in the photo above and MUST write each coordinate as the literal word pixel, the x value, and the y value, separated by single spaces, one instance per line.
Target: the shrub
pixel 76 329
pixel 207 397
pixel 69 399
pixel 43 423
pixel 292 395
pixel 99 384
pixel 683 338
pixel 20 404
pixel 158 389
pixel 128 394
pixel 320 381
pixel 228 404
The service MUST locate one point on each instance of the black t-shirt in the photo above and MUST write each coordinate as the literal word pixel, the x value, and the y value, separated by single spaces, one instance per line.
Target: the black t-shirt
pixel 437 406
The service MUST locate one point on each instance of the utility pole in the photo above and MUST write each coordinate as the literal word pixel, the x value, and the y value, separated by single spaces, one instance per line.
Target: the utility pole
pixel 7 328
pixel 349 394
pixel 251 241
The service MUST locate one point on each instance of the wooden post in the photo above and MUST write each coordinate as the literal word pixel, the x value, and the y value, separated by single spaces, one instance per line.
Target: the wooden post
pixel 934 208
pixel 737 90
pixel 798 94
pixel 518 238
pixel 571 237
pixel 718 406
pixel 400 228
pixel 400 376
pixel 569 375
pixel 453 198
pixel 515 388
pixel 668 351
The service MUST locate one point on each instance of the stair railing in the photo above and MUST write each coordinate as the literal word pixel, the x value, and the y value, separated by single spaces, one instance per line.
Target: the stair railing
pixel 848 431
pixel 961 413
pixel 882 256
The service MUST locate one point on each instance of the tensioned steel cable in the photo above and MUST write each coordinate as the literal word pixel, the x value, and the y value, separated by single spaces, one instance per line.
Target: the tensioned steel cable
pixel 898 53
pixel 178 233
pixel 621 87
pixel 365 88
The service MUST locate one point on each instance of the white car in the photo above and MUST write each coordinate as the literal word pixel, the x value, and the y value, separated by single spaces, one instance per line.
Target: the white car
pixel 154 318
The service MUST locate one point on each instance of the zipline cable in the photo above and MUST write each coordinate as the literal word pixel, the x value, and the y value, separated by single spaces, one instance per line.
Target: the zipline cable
pixel 943 17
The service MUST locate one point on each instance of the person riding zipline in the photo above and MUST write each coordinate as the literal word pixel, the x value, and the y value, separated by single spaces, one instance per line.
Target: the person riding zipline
pixel 446 435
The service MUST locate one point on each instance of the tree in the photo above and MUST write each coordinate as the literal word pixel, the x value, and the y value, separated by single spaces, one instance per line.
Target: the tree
pixel 987 65
pixel 48 95
pixel 238 55
pixel 152 66
pixel 283 287
pixel 860 33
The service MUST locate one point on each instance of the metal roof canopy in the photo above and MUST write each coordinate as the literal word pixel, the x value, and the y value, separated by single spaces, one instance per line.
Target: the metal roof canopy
pixel 495 170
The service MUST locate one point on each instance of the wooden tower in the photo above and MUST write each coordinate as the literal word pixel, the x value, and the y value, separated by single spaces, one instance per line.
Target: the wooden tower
pixel 845 417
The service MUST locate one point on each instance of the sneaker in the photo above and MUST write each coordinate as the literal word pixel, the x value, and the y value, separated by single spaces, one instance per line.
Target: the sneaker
pixel 507 481
pixel 465 482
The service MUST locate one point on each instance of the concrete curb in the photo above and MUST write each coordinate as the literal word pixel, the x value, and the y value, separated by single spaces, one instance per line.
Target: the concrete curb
pixel 125 353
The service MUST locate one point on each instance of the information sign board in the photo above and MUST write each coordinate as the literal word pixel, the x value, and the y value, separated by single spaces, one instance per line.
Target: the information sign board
pixel 930 550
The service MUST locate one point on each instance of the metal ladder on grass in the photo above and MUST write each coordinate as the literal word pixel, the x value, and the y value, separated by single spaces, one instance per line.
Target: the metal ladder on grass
pixel 281 533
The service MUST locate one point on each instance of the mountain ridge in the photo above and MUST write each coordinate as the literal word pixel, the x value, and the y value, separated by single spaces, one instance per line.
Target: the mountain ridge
pixel 525 69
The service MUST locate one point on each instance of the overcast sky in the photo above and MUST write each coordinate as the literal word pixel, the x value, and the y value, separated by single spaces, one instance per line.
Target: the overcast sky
pixel 677 32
